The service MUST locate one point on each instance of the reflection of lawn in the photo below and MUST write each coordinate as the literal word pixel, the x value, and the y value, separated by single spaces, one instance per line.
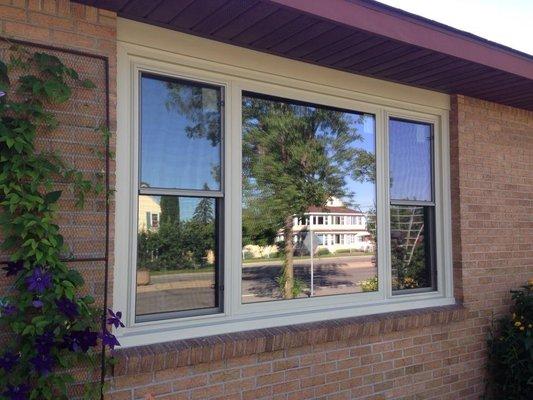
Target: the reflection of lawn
pixel 353 254
pixel 182 271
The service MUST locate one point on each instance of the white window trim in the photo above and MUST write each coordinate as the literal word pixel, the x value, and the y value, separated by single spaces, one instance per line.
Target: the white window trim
pixel 256 72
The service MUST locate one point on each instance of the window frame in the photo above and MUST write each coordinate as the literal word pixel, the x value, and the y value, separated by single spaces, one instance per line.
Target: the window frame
pixel 432 245
pixel 237 316
pixel 216 194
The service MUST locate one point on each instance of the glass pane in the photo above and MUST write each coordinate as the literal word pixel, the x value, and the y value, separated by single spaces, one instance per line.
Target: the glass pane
pixel 412 252
pixel 308 210
pixel 176 254
pixel 410 160
pixel 180 134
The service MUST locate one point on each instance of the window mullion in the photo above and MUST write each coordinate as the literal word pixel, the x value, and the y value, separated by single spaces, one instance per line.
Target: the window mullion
pixel 383 201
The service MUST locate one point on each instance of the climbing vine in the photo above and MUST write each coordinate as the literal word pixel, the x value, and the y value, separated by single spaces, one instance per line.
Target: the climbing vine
pixel 53 327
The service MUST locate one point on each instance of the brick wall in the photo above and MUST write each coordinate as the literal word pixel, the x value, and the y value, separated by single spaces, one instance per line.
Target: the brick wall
pixel 91 31
pixel 423 355
pixel 87 31
pixel 492 192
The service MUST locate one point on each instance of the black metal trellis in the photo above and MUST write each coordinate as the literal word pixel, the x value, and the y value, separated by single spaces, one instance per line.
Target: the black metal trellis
pixel 84 61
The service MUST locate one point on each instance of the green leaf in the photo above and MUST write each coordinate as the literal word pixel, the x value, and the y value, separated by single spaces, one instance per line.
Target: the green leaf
pixel 28 330
pixel 56 90
pixel 52 197
pixel 4 78
pixel 88 84
pixel 75 277
pixel 72 73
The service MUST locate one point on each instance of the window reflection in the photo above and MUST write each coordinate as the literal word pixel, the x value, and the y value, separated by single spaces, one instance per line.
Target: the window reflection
pixel 176 257
pixel 180 134
pixel 308 211
pixel 411 247
pixel 412 211
pixel 410 160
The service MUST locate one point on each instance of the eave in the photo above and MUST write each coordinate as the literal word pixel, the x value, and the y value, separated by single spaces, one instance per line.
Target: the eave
pixel 358 36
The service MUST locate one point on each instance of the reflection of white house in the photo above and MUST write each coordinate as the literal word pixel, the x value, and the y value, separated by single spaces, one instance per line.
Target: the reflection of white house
pixel 149 213
pixel 336 226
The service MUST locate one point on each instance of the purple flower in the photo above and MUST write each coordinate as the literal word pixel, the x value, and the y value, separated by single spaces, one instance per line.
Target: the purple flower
pixel 37 303
pixel 81 340
pixel 17 392
pixel 114 319
pixel 44 342
pixel 68 308
pixel 8 360
pixel 109 340
pixel 39 280
pixel 13 268
pixel 9 309
pixel 43 363
pixel 2 93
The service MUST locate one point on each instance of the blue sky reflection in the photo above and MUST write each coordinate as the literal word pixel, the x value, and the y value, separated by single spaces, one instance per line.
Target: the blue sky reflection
pixel 170 158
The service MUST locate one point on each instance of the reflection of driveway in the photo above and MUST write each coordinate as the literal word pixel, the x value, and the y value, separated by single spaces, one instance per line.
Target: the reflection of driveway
pixel 178 281
pixel 176 292
pixel 182 291
pixel 350 261
pixel 332 275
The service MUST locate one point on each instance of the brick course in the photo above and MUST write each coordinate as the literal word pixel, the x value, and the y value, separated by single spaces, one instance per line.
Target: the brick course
pixel 405 356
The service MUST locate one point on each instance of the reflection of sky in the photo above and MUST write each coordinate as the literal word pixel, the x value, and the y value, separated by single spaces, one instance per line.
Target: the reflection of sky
pixel 410 160
pixel 365 192
pixel 187 206
pixel 169 158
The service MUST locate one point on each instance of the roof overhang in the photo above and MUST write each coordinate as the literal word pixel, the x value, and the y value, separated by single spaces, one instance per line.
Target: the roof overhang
pixel 357 36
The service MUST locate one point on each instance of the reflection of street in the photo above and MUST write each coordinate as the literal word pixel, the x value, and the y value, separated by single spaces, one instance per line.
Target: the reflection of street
pixel 185 291
pixel 332 275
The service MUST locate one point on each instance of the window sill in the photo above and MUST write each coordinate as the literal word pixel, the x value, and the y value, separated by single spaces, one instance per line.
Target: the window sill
pixel 190 352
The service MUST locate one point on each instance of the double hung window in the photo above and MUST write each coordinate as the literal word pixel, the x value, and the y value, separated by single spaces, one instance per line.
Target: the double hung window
pixel 412 206
pixel 180 182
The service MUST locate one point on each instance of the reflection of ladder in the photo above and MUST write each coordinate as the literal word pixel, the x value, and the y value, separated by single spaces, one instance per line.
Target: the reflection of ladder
pixel 413 233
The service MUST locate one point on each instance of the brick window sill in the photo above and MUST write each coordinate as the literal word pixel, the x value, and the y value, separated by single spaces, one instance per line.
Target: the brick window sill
pixel 190 352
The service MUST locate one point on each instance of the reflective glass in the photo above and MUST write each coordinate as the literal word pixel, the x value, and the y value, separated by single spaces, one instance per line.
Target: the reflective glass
pixel 410 160
pixel 180 134
pixel 177 261
pixel 306 169
pixel 412 253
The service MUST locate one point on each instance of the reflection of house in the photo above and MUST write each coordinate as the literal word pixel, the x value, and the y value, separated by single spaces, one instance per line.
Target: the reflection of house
pixel 336 226
pixel 149 213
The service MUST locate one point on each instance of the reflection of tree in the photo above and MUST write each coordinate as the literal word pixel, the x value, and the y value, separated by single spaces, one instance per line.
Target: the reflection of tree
pixel 204 212
pixel 201 107
pixel 293 157
pixel 170 209
pixel 216 174
pixel 371 223
pixel 179 245
pixel 201 230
